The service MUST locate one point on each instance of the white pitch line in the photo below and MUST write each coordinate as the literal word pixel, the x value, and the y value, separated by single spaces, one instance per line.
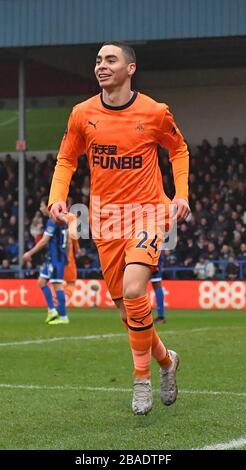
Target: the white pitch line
pixel 114 335
pixel 114 389
pixel 12 119
pixel 233 444
pixel 65 387
pixel 61 338
pixel 213 392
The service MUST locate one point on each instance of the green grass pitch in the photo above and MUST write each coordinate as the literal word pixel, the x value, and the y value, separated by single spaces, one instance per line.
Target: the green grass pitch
pixel 44 128
pixel 70 386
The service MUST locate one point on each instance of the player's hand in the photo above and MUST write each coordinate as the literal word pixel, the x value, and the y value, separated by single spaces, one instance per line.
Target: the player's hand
pixel 183 209
pixel 27 256
pixel 59 212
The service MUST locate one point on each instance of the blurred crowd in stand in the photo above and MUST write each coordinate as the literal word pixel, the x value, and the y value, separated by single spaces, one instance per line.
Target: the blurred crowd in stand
pixel 211 244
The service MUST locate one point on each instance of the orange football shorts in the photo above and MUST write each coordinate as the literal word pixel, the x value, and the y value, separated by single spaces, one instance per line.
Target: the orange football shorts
pixel 116 254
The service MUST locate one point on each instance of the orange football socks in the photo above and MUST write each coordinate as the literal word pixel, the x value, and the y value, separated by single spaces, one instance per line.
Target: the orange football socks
pixel 158 350
pixel 140 329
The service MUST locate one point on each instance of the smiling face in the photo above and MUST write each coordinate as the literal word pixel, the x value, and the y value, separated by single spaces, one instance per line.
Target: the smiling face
pixel 113 68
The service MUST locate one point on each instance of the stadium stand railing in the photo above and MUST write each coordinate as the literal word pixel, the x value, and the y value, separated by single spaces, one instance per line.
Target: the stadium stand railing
pixel 167 272
pixel 220 273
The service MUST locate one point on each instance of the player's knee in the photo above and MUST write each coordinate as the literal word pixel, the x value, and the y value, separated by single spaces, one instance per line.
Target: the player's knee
pixel 41 282
pixel 134 290
pixel 58 286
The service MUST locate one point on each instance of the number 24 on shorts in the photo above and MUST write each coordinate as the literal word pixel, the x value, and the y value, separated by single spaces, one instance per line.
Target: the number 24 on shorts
pixel 145 239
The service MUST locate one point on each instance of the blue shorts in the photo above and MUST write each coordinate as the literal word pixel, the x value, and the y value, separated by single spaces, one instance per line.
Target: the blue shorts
pixel 54 272
pixel 156 276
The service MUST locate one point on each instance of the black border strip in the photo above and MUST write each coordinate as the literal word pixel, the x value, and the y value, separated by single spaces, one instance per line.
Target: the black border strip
pixel 142 328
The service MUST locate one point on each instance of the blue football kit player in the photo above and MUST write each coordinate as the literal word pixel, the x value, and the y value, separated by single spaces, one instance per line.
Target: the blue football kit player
pixel 159 294
pixel 56 237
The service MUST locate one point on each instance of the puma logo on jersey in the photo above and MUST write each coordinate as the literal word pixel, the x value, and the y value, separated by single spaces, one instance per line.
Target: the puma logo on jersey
pixel 94 124
pixel 141 320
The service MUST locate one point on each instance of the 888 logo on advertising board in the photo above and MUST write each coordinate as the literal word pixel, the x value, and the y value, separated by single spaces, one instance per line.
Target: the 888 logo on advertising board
pixel 222 295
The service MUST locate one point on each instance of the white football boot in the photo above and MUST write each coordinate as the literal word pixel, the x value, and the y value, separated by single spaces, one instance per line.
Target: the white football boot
pixel 142 400
pixel 168 386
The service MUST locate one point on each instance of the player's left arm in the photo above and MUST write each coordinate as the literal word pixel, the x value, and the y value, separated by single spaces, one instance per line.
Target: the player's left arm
pixel 71 147
pixel 172 139
pixel 38 247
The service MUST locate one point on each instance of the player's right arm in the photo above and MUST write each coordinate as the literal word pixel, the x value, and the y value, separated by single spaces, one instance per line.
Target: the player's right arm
pixel 72 146
pixel 48 233
pixel 38 247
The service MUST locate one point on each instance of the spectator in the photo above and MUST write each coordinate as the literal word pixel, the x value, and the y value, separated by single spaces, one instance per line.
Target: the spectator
pixel 219 226
pixel 205 148
pixel 13 227
pixel 234 150
pixel 212 252
pixel 83 260
pixel 37 227
pixel 191 253
pixel 242 257
pixel 237 240
pixel 200 246
pixel 204 269
pixel 2 252
pixel 5 270
pixel 220 150
pixel 200 212
pixel 170 261
pixel 232 269
pixel 30 207
pixel 12 250
pixel 242 252
pixel 30 272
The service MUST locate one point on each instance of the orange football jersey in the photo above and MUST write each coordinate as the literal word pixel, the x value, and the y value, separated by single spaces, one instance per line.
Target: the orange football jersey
pixel 121 147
